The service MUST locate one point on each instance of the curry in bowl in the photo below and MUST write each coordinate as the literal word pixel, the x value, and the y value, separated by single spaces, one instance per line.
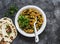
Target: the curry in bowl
pixel 27 18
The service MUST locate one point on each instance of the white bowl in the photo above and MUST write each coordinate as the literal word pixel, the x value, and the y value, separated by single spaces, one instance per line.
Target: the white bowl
pixel 41 28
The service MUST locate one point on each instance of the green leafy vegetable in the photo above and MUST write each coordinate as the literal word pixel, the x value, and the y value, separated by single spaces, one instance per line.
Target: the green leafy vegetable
pixel 10 12
pixel 23 21
pixel 13 9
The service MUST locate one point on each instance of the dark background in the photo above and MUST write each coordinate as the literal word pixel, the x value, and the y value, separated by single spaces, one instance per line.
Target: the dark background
pixel 51 34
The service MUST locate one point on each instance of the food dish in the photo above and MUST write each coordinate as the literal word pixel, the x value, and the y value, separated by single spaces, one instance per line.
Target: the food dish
pixel 7 31
pixel 40 28
pixel 27 18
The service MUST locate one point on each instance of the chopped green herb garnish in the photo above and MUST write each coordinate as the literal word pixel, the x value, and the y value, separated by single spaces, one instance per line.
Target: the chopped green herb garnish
pixel 10 12
pixel 23 21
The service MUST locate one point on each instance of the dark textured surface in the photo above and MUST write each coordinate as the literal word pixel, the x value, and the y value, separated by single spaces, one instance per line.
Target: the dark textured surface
pixel 51 34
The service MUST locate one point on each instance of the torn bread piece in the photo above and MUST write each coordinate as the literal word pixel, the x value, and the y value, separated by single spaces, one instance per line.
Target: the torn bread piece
pixel 8 30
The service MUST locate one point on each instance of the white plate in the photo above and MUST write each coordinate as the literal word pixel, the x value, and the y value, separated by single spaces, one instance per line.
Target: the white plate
pixel 41 28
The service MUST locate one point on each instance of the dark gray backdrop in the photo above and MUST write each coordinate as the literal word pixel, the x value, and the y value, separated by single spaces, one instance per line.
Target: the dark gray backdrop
pixel 51 34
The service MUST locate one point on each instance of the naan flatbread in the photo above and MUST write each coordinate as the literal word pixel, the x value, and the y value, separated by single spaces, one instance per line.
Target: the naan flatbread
pixel 8 30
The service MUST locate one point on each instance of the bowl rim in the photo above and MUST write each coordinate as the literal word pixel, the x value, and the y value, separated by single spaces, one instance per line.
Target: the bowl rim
pixel 41 28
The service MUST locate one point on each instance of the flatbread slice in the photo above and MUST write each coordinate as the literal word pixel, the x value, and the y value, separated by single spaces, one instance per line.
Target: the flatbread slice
pixel 7 30
pixel 1 34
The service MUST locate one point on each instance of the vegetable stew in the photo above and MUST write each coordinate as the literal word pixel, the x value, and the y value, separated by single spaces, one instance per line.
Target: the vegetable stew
pixel 27 18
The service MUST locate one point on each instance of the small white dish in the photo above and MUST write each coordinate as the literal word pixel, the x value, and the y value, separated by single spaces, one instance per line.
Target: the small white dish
pixel 41 28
